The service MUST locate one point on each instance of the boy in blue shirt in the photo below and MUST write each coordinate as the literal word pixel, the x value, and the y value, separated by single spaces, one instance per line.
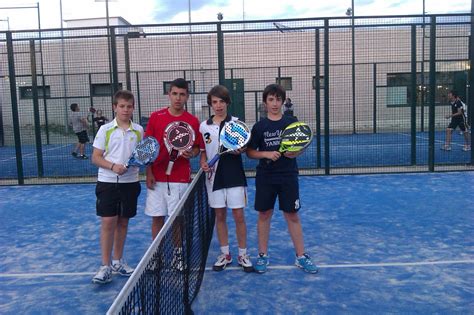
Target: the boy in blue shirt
pixel 277 176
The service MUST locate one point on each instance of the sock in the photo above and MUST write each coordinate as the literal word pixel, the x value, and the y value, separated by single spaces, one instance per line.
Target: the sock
pixel 114 261
pixel 242 251
pixel 225 249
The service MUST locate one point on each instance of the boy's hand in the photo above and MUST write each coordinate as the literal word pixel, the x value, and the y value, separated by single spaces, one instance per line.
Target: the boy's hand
pixel 292 155
pixel 120 169
pixel 273 155
pixel 205 167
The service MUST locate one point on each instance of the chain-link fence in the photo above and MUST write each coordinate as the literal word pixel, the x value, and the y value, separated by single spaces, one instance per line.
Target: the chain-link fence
pixel 373 89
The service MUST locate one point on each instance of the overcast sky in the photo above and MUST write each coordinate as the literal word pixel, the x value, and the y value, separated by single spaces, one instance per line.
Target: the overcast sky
pixel 177 11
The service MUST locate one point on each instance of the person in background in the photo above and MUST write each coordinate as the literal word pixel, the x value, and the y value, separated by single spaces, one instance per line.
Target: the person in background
pixel 288 107
pixel 100 119
pixel 79 126
pixel 458 119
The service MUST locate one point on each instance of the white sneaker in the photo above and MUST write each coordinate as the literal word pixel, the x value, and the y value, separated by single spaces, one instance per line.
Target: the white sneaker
pixel 245 263
pixel 222 261
pixel 466 148
pixel 104 275
pixel 122 268
pixel 446 148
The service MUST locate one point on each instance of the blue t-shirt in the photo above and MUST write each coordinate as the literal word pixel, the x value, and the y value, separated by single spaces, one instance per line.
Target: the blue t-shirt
pixel 266 136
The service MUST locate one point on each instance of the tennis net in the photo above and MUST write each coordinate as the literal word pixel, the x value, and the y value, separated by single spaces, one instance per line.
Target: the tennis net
pixel 168 277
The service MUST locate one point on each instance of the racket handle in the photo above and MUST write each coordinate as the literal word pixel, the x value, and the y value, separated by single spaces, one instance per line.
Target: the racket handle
pixel 213 161
pixel 169 168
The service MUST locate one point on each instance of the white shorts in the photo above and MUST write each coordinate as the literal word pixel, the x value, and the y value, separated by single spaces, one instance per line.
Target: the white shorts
pixel 161 202
pixel 233 198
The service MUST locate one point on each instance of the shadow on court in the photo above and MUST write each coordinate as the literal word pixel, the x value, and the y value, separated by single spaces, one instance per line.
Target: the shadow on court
pixel 400 243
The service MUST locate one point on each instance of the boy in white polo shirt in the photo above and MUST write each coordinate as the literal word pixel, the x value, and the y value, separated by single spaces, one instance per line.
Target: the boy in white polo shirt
pixel 226 183
pixel 118 187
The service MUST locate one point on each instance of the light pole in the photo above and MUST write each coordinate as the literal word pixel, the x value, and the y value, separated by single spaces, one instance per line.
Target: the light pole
pixel 350 12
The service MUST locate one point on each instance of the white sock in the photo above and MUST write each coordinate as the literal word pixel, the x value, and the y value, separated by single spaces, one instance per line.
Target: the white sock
pixel 225 250
pixel 115 261
pixel 242 251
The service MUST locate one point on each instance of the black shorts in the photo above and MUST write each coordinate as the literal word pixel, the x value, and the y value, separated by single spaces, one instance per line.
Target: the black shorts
pixel 458 122
pixel 117 199
pixel 268 189
pixel 82 136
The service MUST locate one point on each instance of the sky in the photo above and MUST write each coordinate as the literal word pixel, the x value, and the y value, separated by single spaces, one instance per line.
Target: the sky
pixel 180 11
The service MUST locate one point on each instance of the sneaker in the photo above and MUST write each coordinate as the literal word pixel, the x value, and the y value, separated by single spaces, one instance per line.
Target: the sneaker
pixel 178 260
pixel 103 276
pixel 82 156
pixel 306 264
pixel 466 148
pixel 262 263
pixel 74 154
pixel 222 261
pixel 446 148
pixel 122 268
pixel 245 263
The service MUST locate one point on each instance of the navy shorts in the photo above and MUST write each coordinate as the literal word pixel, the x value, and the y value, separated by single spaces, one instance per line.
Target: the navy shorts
pixel 268 189
pixel 82 136
pixel 117 199
pixel 457 122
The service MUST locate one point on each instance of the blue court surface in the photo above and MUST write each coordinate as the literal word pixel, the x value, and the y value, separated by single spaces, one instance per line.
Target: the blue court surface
pixel 358 150
pixel 399 243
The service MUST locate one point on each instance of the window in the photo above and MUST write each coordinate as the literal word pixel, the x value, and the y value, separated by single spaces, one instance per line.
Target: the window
pixel 285 82
pixel 399 92
pixel 321 82
pixel 102 89
pixel 166 86
pixel 26 92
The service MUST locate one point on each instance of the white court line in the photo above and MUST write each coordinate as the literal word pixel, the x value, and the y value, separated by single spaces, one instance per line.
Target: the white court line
pixel 33 154
pixel 426 138
pixel 275 267
pixel 394 264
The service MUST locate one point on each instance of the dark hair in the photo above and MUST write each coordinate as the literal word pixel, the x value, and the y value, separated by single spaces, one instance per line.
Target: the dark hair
pixel 74 106
pixel 219 91
pixel 274 89
pixel 454 93
pixel 123 94
pixel 180 83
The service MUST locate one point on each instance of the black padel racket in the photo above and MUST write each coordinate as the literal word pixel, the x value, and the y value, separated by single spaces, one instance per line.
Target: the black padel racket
pixel 179 136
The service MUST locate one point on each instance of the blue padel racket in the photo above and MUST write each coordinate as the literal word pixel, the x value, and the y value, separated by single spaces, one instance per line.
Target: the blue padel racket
pixel 234 136
pixel 179 136
pixel 144 153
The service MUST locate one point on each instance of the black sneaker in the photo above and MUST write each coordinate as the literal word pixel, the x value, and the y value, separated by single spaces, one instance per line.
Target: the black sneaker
pixel 74 154
pixel 83 157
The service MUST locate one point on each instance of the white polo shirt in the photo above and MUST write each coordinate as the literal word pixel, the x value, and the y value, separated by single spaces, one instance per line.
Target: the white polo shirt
pixel 118 145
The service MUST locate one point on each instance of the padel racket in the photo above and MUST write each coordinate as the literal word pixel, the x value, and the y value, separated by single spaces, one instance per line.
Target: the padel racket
pixel 233 136
pixel 296 137
pixel 145 152
pixel 179 136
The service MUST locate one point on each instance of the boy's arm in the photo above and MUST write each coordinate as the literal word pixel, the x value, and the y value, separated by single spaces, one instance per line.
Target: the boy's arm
pixel 150 178
pixel 99 161
pixel 203 161
pixel 255 154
